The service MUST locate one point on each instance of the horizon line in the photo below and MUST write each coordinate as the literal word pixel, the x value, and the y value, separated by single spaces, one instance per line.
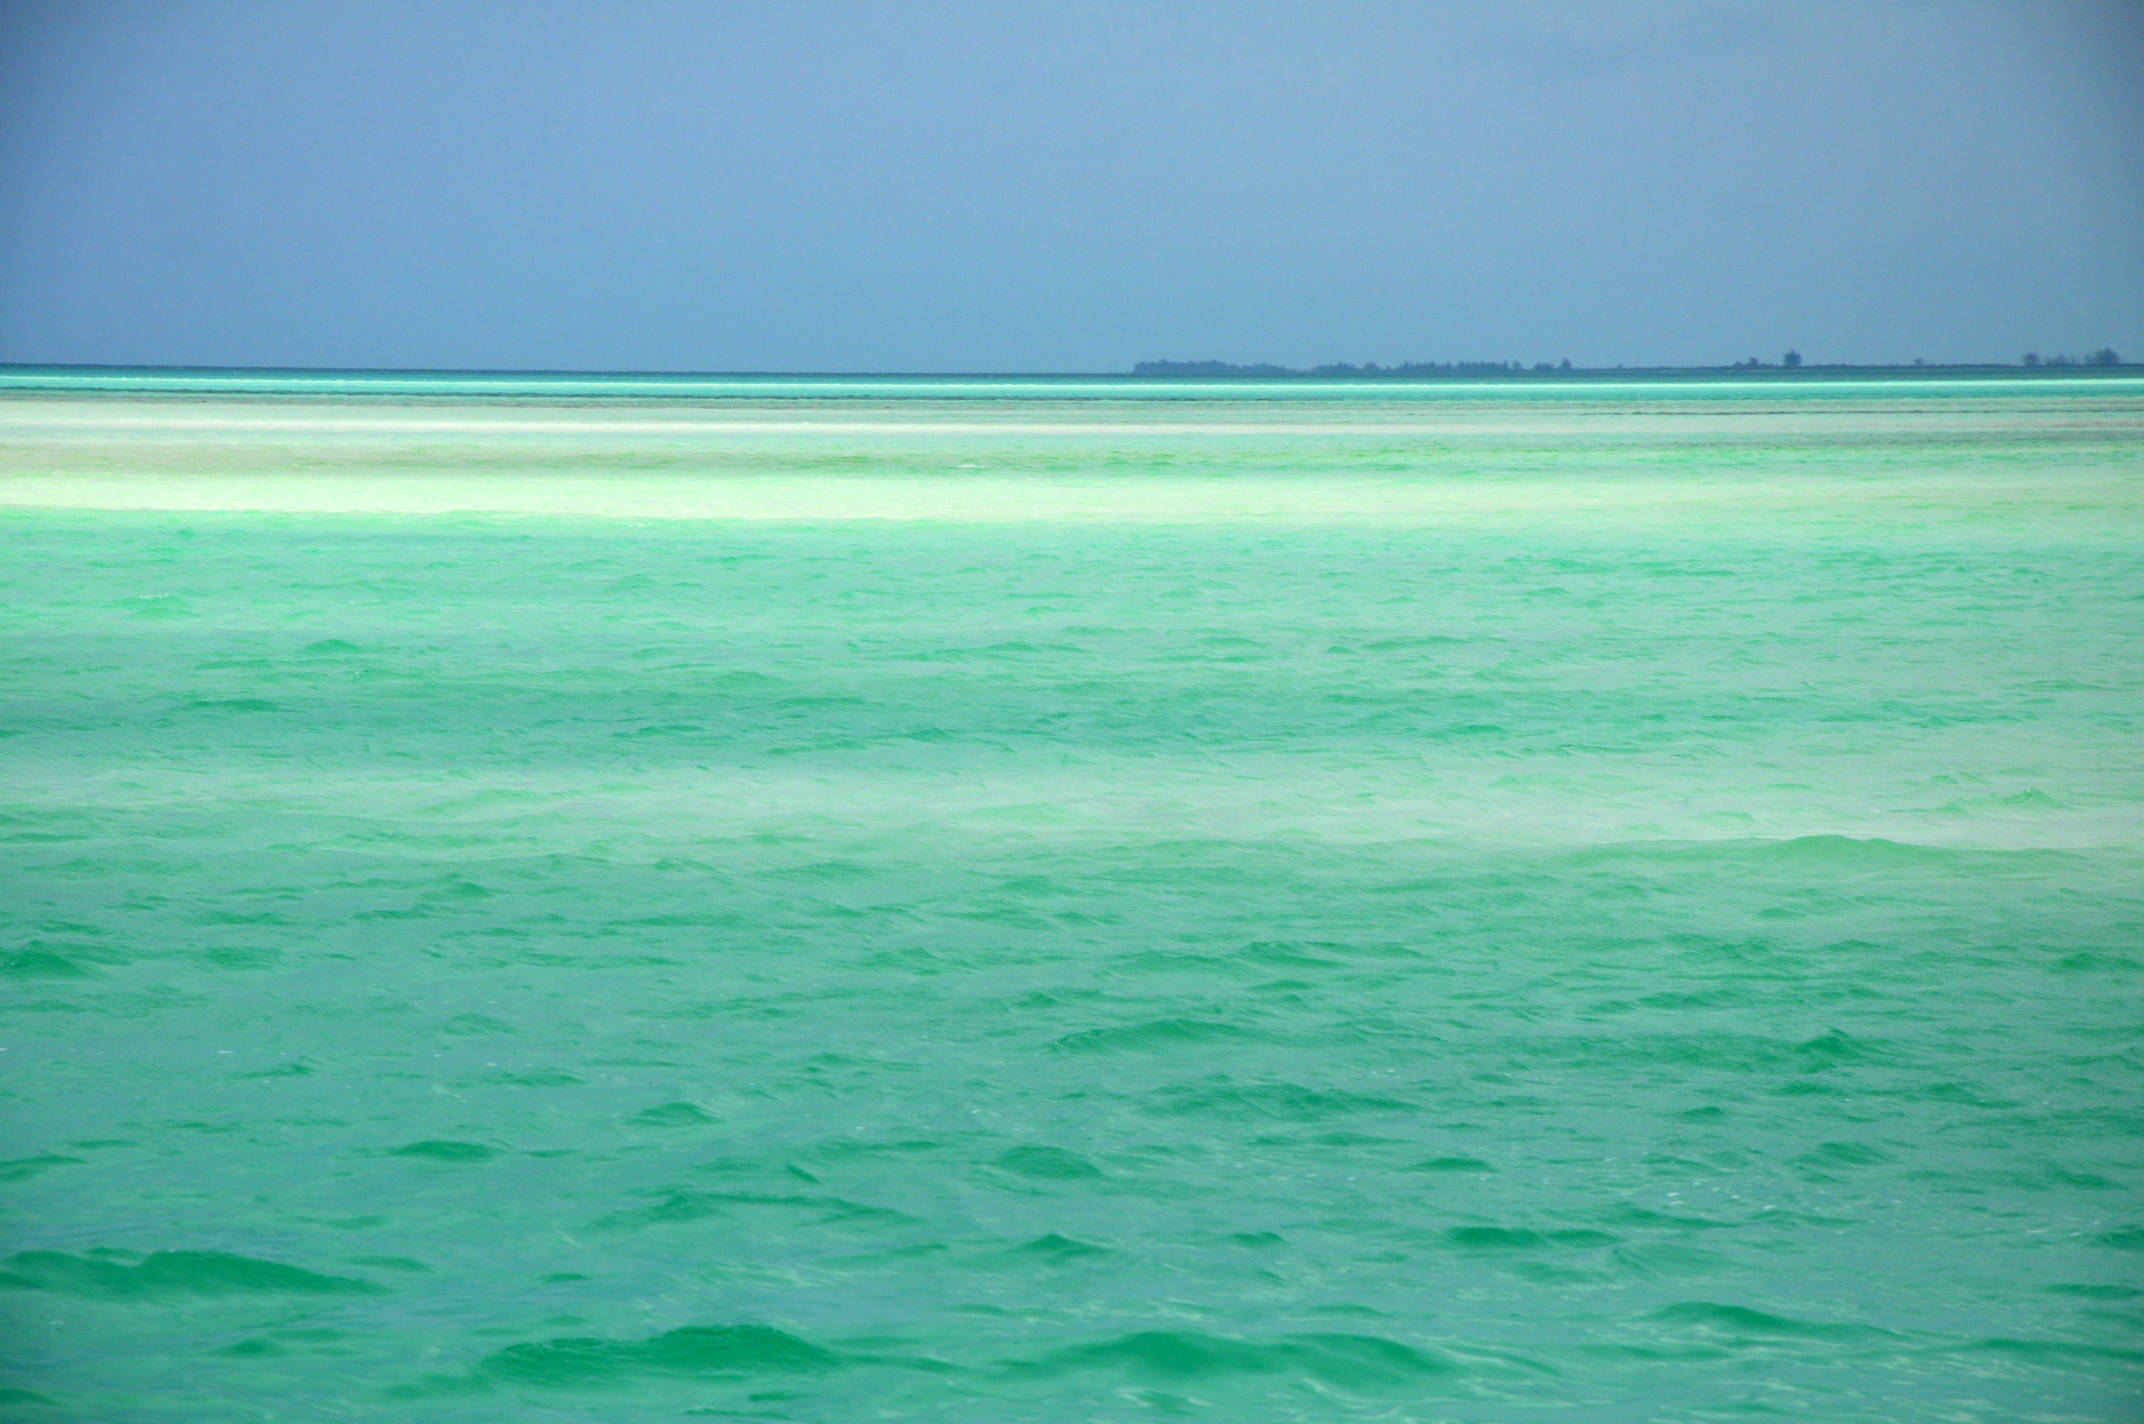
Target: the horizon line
pixel 1451 371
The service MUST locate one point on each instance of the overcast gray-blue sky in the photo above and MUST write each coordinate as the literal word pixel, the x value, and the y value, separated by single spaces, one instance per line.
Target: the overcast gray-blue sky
pixel 1050 187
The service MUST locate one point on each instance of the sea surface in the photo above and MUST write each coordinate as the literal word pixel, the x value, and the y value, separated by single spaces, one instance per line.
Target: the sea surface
pixel 541 898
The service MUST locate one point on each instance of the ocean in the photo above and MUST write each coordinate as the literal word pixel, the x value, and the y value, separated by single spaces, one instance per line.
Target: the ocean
pixel 582 898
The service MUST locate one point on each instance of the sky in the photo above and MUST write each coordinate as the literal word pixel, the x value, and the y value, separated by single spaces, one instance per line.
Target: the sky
pixel 1038 186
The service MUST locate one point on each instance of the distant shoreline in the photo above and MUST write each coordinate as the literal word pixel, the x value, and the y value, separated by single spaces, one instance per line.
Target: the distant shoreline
pixel 1158 371
pixel 1511 370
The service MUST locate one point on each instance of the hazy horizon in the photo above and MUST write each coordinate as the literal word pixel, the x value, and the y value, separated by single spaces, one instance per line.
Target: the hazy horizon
pixel 2077 363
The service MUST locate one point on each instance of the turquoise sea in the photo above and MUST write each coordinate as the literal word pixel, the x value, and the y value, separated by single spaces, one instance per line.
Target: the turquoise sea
pixel 541 898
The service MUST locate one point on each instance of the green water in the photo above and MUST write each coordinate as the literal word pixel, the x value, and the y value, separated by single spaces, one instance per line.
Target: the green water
pixel 1070 901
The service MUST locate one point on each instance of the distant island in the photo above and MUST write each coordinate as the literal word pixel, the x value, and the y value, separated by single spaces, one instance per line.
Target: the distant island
pixel 2106 356
pixel 1342 368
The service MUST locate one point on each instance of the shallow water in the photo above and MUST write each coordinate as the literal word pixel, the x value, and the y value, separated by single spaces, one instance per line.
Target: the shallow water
pixel 1062 902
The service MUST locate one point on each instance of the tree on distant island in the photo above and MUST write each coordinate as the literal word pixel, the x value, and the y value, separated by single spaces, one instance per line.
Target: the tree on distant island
pixel 1341 368
pixel 1206 368
pixel 2104 356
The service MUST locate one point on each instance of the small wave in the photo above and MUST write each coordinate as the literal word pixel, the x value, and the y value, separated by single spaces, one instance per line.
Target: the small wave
pixel 41 964
pixel 1836 1046
pixel 2087 961
pixel 1665 1258
pixel 1288 1102
pixel 675 1207
pixel 1401 645
pixel 1850 853
pixel 1057 1248
pixel 170 1273
pixel 1360 1362
pixel 838 871
pixel 1823 855
pixel 1643 1218
pixel 1843 1154
pixel 1291 954
pixel 282 1070
pixel 682 1206
pixel 1507 1238
pixel 1741 1320
pixel 1452 1164
pixel 453 888
pixel 1708 999
pixel 157 607
pixel 660 730
pixel 674 1115
pixel 695 1352
pixel 21 1169
pixel 2055 1349
pixel 745 682
pixel 442 1150
pixel 1046 1163
pixel 1158 1034
pixel 237 957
